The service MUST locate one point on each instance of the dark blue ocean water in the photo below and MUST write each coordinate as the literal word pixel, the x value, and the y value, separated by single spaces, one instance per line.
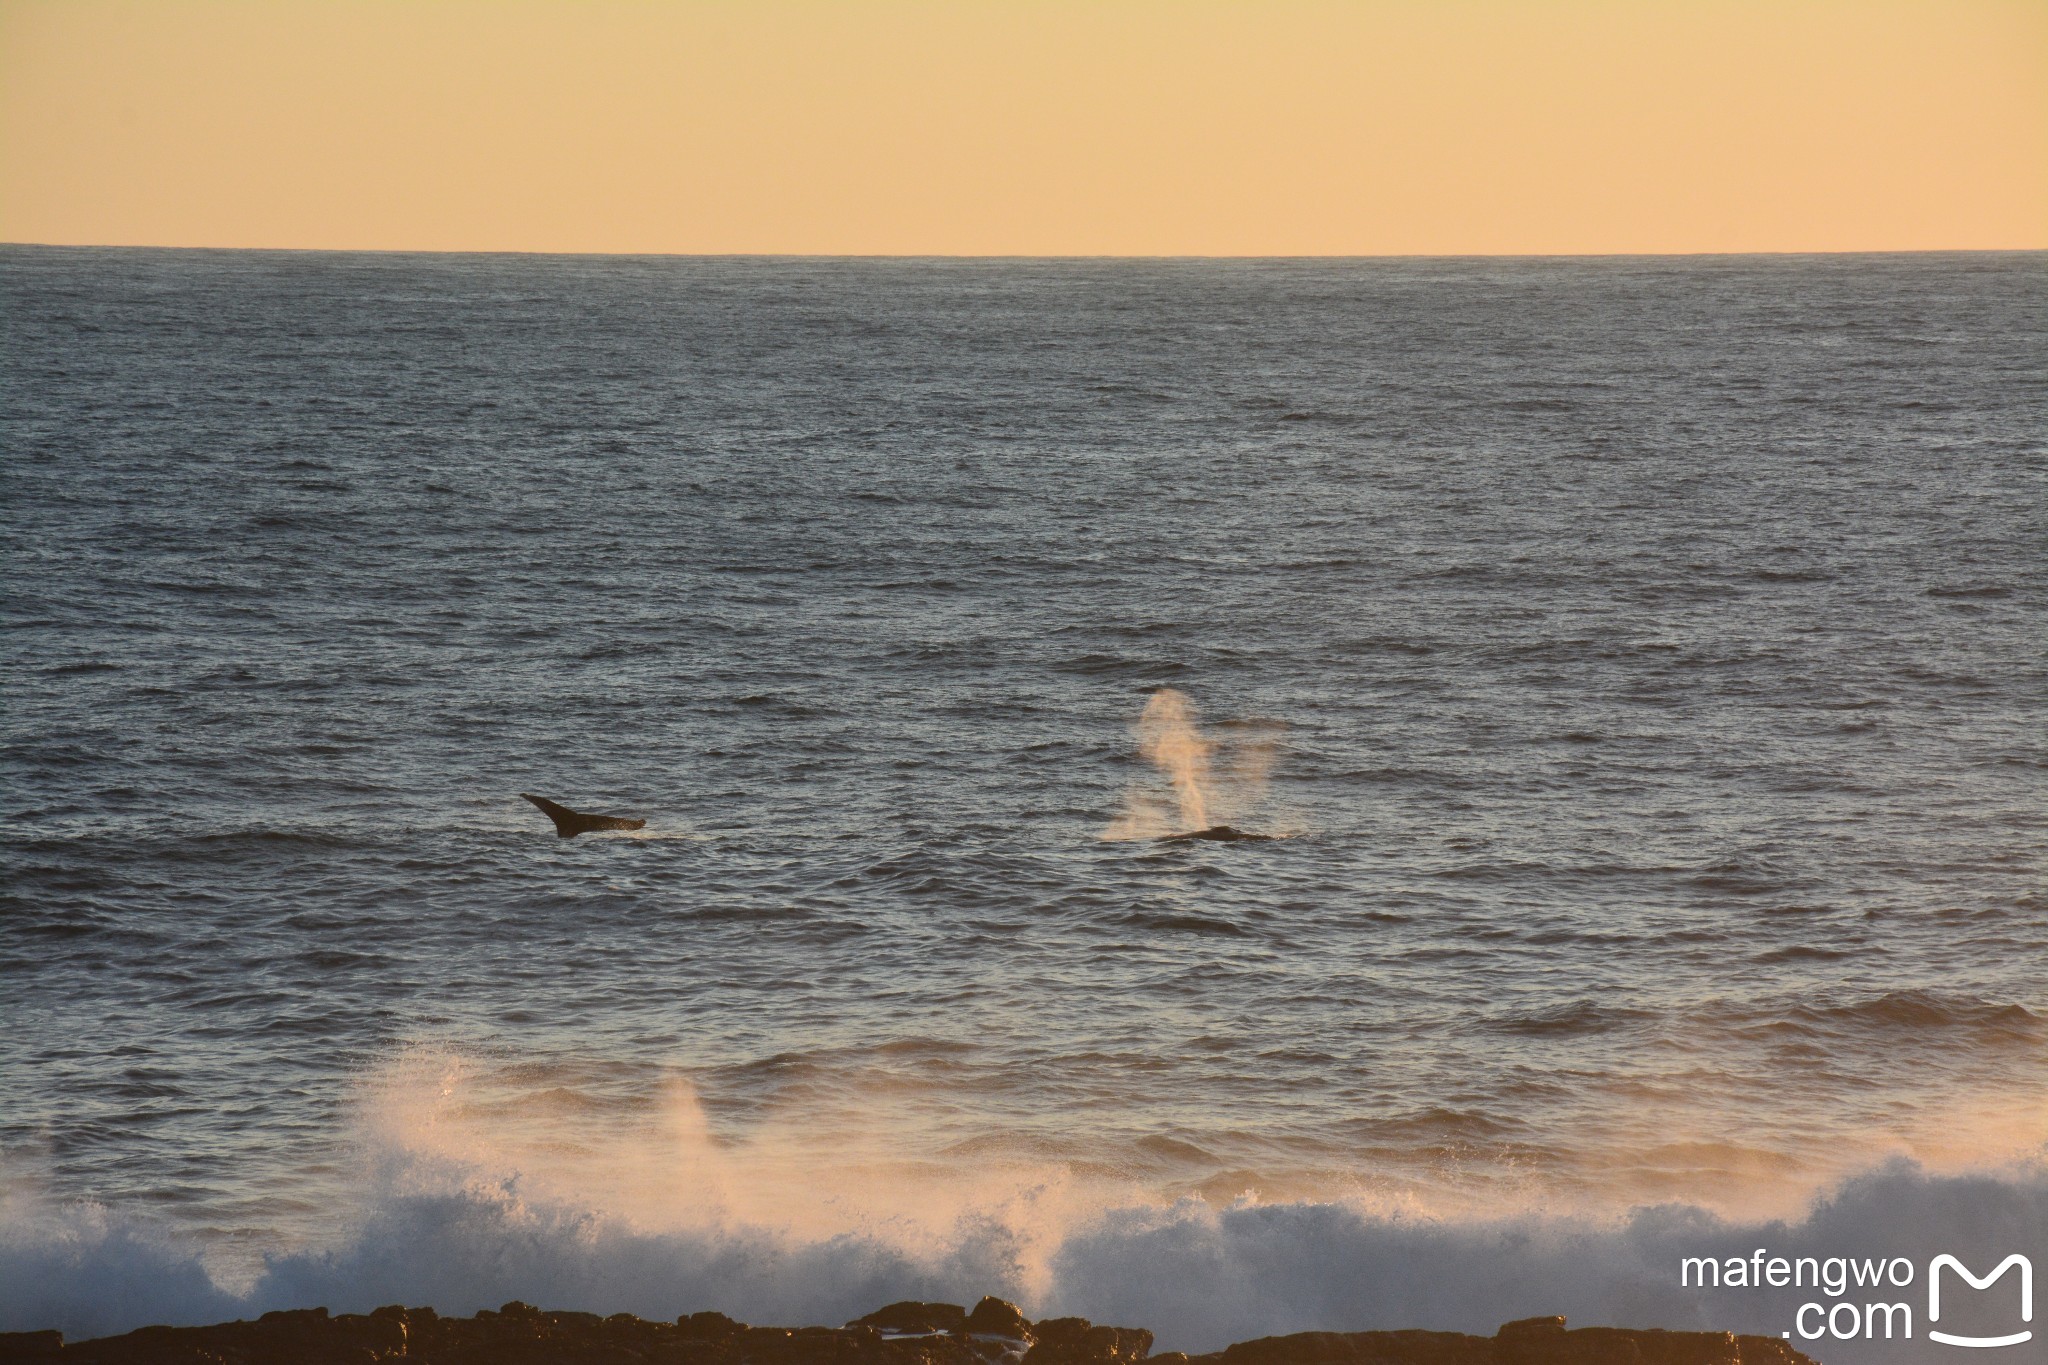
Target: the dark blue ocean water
pixel 1643 659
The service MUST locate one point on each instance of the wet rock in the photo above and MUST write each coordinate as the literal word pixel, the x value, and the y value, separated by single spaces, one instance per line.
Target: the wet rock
pixel 933 1350
pixel 997 1318
pixel 708 1326
pixel 1530 1329
pixel 1530 1341
pixel 915 1317
pixel 1544 1341
pixel 1360 1348
pixel 381 1336
pixel 901 1334
pixel 1076 1341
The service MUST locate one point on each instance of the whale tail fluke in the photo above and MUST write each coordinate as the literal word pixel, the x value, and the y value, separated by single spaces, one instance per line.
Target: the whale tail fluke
pixel 570 823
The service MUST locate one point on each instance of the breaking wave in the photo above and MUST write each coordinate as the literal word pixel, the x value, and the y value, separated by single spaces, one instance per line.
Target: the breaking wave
pixel 1200 1275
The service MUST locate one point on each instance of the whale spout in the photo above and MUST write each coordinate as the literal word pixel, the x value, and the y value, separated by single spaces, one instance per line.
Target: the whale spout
pixel 570 823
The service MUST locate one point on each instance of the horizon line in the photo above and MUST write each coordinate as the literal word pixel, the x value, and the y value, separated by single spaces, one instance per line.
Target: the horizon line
pixel 1036 256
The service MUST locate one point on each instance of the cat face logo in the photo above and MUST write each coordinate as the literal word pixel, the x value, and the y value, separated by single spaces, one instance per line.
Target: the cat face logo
pixel 1934 1298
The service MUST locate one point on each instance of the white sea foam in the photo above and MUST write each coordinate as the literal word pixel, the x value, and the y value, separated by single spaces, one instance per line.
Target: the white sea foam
pixel 1199 1275
pixel 462 1204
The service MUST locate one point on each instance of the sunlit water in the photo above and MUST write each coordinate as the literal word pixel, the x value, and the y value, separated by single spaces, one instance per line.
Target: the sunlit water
pixel 1644 659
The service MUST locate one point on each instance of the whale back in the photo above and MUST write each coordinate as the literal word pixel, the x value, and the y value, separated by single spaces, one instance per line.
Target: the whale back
pixel 1221 834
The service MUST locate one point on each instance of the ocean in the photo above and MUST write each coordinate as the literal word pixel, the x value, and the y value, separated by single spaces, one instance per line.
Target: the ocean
pixel 1638 663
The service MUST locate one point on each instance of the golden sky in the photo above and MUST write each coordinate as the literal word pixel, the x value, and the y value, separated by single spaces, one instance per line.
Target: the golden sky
pixel 1170 127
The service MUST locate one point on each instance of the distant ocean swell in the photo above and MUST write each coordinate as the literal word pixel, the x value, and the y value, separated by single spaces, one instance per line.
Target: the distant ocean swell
pixel 1654 713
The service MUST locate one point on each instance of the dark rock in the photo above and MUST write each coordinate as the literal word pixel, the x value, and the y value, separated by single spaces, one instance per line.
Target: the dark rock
pixel 558 1322
pixel 1076 1341
pixel 1531 1341
pixel 1361 1348
pixel 709 1326
pixel 296 1319
pixel 940 1334
pixel 936 1349
pixel 1544 1341
pixel 1530 1329
pixel 998 1318
pixel 915 1317
pixel 382 1336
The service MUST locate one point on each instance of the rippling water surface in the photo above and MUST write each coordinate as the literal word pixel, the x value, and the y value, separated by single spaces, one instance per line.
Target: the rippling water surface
pixel 1648 653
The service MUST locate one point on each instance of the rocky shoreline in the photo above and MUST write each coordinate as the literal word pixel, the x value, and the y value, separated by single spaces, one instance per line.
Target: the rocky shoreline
pixel 993 1333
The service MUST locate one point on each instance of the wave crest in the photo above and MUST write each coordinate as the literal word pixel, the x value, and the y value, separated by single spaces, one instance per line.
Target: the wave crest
pixel 1198 1274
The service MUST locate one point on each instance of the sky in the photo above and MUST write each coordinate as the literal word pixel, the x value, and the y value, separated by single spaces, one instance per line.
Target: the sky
pixel 1027 127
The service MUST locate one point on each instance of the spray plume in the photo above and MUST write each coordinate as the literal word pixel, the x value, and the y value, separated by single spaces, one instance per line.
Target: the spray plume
pixel 1209 782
